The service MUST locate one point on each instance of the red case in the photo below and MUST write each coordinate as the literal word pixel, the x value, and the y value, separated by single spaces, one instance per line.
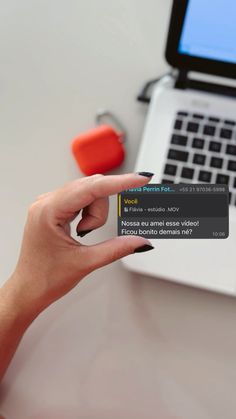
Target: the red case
pixel 98 150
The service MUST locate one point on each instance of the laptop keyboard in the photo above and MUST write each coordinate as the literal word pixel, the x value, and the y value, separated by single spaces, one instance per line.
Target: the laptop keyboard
pixel 202 149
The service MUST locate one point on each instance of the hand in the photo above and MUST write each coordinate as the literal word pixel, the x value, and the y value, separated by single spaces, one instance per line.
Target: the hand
pixel 51 262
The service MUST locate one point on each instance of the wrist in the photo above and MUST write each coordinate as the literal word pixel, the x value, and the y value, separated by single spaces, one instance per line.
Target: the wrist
pixel 16 302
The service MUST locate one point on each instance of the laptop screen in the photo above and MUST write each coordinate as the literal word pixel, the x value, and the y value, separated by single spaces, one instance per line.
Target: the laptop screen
pixel 209 30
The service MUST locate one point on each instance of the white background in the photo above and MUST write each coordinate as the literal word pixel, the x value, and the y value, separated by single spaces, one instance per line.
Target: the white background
pixel 120 345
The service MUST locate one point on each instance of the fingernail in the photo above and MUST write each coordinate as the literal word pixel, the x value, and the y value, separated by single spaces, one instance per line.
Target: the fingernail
pixel 83 233
pixel 143 248
pixel 147 174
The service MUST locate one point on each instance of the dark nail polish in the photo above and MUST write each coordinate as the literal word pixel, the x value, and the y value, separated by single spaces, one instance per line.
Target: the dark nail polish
pixel 147 174
pixel 83 233
pixel 143 248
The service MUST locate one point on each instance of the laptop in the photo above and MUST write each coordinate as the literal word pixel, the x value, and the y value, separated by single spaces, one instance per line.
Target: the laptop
pixel 190 137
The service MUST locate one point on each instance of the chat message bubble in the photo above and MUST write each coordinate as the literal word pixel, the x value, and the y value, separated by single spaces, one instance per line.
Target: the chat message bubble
pixel 158 211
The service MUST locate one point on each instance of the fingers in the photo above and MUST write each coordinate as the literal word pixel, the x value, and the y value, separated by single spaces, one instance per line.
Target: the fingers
pixel 82 192
pixel 94 215
pixel 102 254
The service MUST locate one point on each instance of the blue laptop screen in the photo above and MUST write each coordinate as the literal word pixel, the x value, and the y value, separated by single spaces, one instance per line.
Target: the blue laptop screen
pixel 209 30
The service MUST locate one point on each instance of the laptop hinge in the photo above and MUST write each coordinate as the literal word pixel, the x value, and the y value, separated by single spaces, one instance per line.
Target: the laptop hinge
pixel 184 82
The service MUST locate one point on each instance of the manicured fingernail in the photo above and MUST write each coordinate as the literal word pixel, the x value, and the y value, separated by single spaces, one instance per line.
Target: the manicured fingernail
pixel 83 233
pixel 147 174
pixel 143 248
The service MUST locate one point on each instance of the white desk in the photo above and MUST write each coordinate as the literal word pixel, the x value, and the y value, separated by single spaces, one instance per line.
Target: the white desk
pixel 120 345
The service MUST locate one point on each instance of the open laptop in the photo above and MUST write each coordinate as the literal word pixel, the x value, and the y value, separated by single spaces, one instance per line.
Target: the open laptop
pixel 190 136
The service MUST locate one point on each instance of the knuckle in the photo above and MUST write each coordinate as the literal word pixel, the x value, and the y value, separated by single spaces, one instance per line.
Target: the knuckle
pixel 96 185
pixel 33 207
pixel 38 210
pixel 101 213
pixel 32 211
pixel 97 177
pixel 116 254
pixel 81 181
pixel 43 196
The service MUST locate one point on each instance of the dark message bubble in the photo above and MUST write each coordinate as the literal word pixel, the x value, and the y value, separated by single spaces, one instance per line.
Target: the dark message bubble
pixel 176 211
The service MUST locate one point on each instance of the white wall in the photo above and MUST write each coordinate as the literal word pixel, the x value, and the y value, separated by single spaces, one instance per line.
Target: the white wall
pixel 60 60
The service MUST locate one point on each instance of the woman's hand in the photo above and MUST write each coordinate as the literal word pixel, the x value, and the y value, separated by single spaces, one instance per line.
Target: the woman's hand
pixel 51 262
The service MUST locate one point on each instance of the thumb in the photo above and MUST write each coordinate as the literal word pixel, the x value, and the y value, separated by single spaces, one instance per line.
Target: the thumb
pixel 111 250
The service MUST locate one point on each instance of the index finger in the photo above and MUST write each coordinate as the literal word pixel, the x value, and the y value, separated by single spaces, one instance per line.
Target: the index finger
pixel 79 193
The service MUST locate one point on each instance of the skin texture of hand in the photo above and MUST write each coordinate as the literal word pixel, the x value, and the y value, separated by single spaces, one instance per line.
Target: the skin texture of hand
pixel 51 262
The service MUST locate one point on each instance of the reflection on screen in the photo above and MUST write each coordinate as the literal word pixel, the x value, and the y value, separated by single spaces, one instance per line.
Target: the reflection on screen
pixel 209 30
